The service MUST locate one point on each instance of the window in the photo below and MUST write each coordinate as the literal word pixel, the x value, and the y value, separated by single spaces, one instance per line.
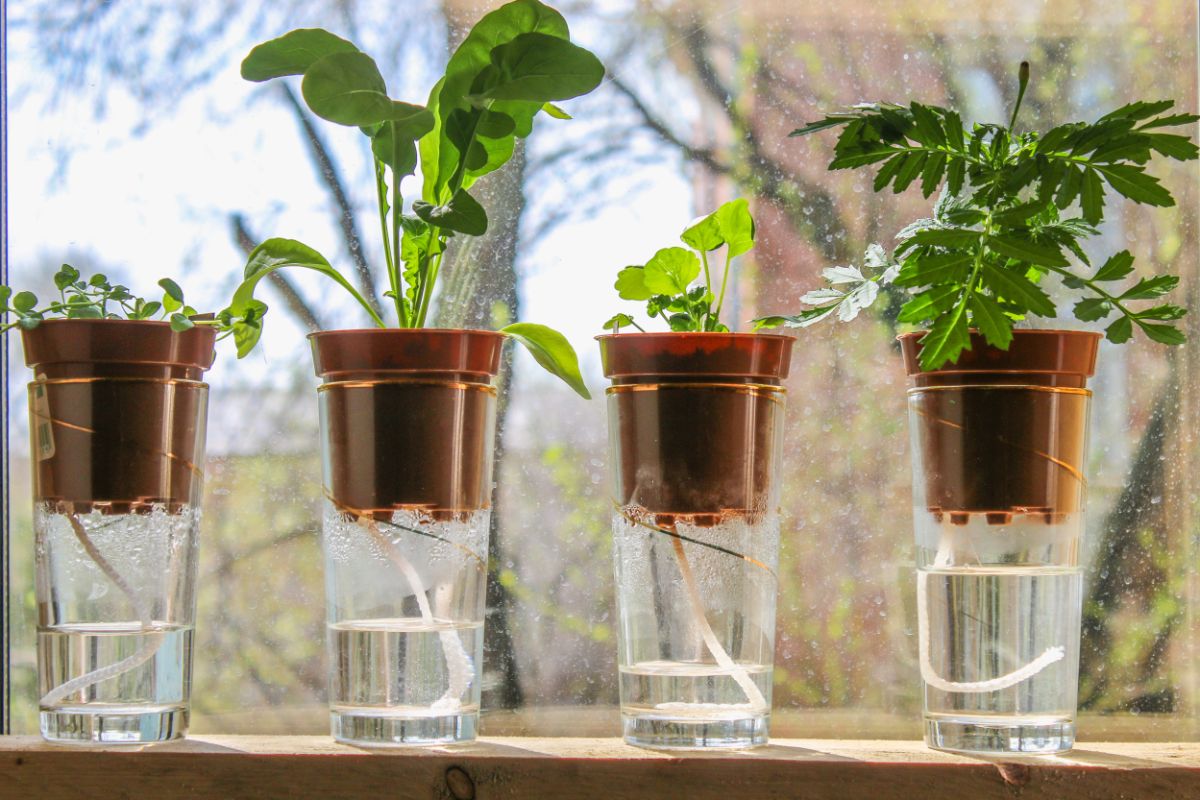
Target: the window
pixel 137 150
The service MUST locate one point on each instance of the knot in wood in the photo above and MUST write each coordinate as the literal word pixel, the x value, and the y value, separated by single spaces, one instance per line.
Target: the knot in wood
pixel 460 784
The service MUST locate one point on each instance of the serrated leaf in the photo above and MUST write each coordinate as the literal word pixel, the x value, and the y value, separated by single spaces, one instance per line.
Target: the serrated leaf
pixel 1163 334
pixel 928 127
pixel 909 171
pixel 1016 288
pixel 1045 254
pixel 1148 288
pixel 1163 312
pixel 990 319
pixel 1069 188
pixel 933 269
pixel 888 171
pixel 1015 215
pixel 1180 148
pixel 943 237
pixel 945 341
pixel 1170 120
pixel 955 175
pixel 931 175
pixel 1116 267
pixel 1092 309
pixel 1119 331
pixel 1091 200
pixel 1134 183
pixel 1139 110
pixel 929 303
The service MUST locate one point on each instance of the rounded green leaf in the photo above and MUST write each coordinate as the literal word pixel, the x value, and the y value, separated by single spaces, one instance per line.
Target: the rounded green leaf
pixel 736 225
pixel 292 54
pixel 552 350
pixel 671 270
pixel 631 284
pixel 24 301
pixel 704 234
pixel 540 68
pixel 348 89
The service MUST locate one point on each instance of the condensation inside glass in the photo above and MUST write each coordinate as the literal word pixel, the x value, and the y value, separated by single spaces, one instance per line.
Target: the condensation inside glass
pixel 137 150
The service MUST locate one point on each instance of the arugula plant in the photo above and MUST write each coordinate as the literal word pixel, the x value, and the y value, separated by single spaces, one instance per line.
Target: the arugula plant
pixel 665 281
pixel 1014 206
pixel 513 65
pixel 95 297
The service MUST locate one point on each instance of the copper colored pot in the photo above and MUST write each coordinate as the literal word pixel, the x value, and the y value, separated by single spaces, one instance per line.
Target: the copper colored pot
pixel 407 419
pixel 1002 432
pixel 117 413
pixel 695 421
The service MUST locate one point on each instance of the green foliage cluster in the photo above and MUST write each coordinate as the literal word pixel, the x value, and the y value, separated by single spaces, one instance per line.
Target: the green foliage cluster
pixel 512 66
pixel 665 281
pixel 1007 218
pixel 95 297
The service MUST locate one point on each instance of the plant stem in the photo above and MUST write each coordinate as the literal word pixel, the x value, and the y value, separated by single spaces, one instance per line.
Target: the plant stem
pixel 1095 288
pixel 392 272
pixel 427 288
pixel 1023 81
pixel 397 208
pixel 707 279
pixel 724 283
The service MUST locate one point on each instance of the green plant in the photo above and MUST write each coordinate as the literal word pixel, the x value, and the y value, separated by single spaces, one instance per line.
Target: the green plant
pixel 96 298
pixel 665 281
pixel 512 66
pixel 1000 226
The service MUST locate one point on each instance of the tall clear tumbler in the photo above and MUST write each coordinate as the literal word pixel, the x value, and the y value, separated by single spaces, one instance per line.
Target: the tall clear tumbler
pixel 117 416
pixel 407 429
pixel 999 443
pixel 695 423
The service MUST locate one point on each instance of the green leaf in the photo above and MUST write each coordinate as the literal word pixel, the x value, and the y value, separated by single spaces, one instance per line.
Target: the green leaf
pixel 631 284
pixel 1091 197
pixel 99 280
pixel 1016 288
pixel 943 237
pixel 931 175
pixel 1119 331
pixel 462 214
pixel 1092 309
pixel 1169 121
pixel 402 162
pixel 292 53
pixel 554 111
pixel 908 172
pixel 1180 148
pixel 552 350
pixel 930 303
pixel 1163 334
pixel 928 127
pixel 936 268
pixel 993 323
pixel 736 225
pixel 1163 312
pixel 671 270
pixel 65 276
pixel 539 68
pixel 1148 288
pixel 149 309
pixel 945 341
pixel 1138 110
pixel 1015 215
pixel 617 321
pixel 348 89
pixel 831 121
pixel 494 125
pixel 180 323
pixel 84 311
pixel 5 293
pixel 1022 248
pixel 269 256
pixel 24 301
pixel 888 171
pixel 172 290
pixel 1118 266
pixel 1134 183
pixel 955 175
pixel 704 234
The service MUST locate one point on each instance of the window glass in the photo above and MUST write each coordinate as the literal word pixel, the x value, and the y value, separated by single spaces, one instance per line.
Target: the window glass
pixel 136 149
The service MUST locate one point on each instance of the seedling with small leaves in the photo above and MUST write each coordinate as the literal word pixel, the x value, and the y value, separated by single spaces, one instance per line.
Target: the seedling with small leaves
pixel 665 281
pixel 96 298
pixel 1014 206
pixel 514 65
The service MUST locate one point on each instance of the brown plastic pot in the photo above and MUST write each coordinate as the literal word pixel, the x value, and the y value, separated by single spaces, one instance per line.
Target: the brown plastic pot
pixel 407 419
pixel 695 421
pixel 1002 432
pixel 117 413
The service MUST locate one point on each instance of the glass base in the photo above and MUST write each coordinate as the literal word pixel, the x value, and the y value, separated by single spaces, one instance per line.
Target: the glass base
pixel 384 729
pixel 81 725
pixel 661 733
pixel 989 736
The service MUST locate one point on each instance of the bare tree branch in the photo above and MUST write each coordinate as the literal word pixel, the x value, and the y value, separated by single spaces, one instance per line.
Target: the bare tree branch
pixel 295 303
pixel 333 181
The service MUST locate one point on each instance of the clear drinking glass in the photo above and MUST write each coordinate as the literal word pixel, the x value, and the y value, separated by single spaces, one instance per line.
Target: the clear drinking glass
pixel 407 426
pixel 999 519
pixel 117 415
pixel 695 427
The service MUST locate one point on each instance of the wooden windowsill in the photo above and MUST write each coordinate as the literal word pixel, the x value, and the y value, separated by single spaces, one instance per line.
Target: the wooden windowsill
pixel 305 767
